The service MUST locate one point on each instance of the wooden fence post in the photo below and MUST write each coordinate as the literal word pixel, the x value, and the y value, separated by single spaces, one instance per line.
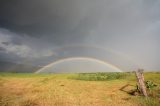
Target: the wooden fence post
pixel 140 80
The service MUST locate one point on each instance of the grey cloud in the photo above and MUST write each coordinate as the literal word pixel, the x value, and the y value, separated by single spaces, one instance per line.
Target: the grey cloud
pixel 5 43
pixel 130 27
pixel 2 49
pixel 21 46
pixel 74 19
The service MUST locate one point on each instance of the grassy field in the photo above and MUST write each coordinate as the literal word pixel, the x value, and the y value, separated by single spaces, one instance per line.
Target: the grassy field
pixel 96 89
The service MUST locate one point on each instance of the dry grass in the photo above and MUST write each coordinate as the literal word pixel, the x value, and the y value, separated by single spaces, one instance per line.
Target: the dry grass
pixel 60 91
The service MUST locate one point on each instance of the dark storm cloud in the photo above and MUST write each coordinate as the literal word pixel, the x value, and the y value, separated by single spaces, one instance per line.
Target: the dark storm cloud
pixel 22 46
pixel 5 43
pixel 61 21
pixel 2 49
pixel 74 19
pixel 33 28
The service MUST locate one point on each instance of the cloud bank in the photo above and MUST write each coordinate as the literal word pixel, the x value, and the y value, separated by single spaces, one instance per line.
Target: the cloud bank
pixel 34 29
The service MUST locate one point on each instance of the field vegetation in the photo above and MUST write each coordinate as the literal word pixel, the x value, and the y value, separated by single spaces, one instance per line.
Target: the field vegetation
pixel 83 89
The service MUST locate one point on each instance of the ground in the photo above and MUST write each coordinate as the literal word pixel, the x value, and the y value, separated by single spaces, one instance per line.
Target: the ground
pixel 64 90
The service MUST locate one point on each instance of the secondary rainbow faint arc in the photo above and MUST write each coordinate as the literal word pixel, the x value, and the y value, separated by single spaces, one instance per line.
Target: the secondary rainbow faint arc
pixel 79 58
pixel 114 52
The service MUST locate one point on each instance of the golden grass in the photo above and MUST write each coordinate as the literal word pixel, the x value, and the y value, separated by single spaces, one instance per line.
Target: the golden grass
pixel 60 91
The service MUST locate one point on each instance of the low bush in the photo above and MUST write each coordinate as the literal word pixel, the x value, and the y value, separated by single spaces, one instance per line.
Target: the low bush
pixel 101 76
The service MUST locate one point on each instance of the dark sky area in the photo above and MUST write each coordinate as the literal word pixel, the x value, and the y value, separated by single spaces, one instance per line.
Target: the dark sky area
pixel 124 33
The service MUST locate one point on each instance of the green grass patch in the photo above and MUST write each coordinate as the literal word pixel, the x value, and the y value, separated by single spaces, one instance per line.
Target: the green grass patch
pixel 101 76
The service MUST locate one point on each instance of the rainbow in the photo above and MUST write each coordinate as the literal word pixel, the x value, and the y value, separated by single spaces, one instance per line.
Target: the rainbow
pixel 106 49
pixel 78 58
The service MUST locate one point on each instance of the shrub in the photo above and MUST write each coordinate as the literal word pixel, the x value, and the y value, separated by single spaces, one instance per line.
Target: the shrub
pixel 101 76
pixel 150 84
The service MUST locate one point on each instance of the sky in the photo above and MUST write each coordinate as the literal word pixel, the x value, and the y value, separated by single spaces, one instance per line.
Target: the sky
pixel 124 33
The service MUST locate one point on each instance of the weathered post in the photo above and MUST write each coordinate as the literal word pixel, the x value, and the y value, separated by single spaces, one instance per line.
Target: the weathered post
pixel 140 80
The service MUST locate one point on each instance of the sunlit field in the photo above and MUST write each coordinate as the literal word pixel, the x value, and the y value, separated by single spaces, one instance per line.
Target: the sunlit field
pixel 89 89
